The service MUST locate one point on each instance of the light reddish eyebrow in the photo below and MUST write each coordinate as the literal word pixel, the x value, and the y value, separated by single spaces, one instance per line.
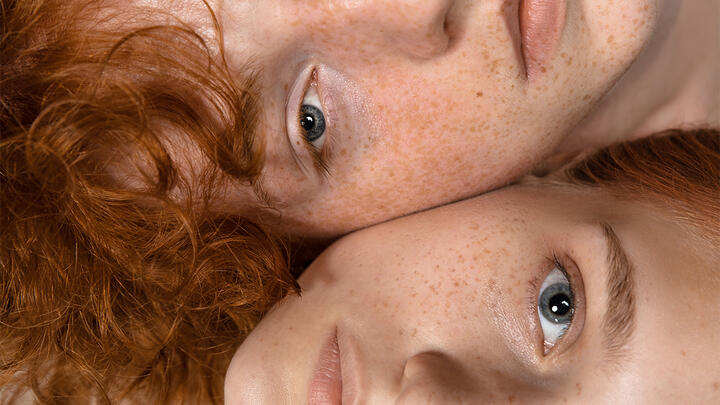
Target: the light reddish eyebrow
pixel 261 193
pixel 619 321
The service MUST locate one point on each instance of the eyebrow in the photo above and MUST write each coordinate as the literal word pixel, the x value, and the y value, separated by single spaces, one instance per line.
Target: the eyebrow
pixel 619 321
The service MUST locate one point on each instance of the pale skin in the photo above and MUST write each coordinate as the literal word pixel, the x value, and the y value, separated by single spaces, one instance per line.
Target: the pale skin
pixel 428 102
pixel 440 307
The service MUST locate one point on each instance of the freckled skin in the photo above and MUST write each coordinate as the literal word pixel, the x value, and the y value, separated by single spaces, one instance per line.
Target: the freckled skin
pixel 438 309
pixel 447 110
pixel 431 103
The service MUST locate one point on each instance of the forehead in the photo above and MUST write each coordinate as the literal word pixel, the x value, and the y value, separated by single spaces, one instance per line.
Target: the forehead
pixel 676 326
pixel 678 305
pixel 196 13
pixel 677 286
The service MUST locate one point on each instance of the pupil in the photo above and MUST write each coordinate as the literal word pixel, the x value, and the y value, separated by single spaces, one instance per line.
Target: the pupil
pixel 559 304
pixel 307 122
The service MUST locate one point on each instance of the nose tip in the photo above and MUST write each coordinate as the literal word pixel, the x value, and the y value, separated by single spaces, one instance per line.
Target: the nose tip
pixel 418 28
pixel 426 32
pixel 433 42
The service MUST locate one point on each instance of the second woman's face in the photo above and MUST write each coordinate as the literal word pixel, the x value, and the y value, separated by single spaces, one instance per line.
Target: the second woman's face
pixel 526 295
pixel 377 108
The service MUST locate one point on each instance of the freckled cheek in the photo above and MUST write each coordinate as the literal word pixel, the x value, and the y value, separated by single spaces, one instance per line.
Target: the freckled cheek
pixel 419 115
pixel 619 30
pixel 494 276
pixel 420 105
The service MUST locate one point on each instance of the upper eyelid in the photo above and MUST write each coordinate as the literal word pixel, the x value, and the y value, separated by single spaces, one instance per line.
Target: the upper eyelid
pixel 559 263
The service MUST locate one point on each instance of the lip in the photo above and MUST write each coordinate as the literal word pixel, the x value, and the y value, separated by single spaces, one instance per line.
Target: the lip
pixel 326 387
pixel 351 369
pixel 541 25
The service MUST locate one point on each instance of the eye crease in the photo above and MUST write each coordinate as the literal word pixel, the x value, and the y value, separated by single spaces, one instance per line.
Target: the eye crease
pixel 312 119
pixel 555 306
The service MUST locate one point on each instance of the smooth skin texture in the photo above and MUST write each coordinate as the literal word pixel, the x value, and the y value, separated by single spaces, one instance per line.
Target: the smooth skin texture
pixel 428 101
pixel 440 307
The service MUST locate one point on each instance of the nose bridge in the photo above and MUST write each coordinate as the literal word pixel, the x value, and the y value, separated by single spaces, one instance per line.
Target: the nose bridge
pixel 413 27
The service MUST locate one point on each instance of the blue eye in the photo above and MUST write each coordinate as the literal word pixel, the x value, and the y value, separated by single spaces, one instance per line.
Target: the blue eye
pixel 312 122
pixel 556 306
pixel 312 118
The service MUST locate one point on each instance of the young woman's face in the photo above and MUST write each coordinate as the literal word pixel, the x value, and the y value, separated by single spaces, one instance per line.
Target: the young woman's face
pixel 377 108
pixel 526 295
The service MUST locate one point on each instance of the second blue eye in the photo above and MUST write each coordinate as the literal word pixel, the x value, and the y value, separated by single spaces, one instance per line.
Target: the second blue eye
pixel 312 121
pixel 555 306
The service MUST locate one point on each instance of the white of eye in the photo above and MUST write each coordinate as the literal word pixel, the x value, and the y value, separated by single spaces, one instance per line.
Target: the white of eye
pixel 311 97
pixel 555 306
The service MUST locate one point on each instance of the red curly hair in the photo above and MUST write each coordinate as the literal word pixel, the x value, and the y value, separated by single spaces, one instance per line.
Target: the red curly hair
pixel 109 292
pixel 121 291
pixel 676 169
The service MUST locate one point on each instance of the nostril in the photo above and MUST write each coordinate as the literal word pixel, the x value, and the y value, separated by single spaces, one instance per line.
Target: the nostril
pixel 428 27
pixel 421 363
pixel 435 378
pixel 451 25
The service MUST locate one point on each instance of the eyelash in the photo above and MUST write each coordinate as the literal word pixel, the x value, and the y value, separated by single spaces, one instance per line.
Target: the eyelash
pixel 562 263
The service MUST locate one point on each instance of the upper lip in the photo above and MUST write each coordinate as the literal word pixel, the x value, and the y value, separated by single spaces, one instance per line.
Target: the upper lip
pixel 326 385
pixel 351 370
pixel 541 24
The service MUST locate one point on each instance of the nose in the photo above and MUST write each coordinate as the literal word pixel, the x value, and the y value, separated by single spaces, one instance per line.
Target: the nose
pixel 418 28
pixel 435 378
